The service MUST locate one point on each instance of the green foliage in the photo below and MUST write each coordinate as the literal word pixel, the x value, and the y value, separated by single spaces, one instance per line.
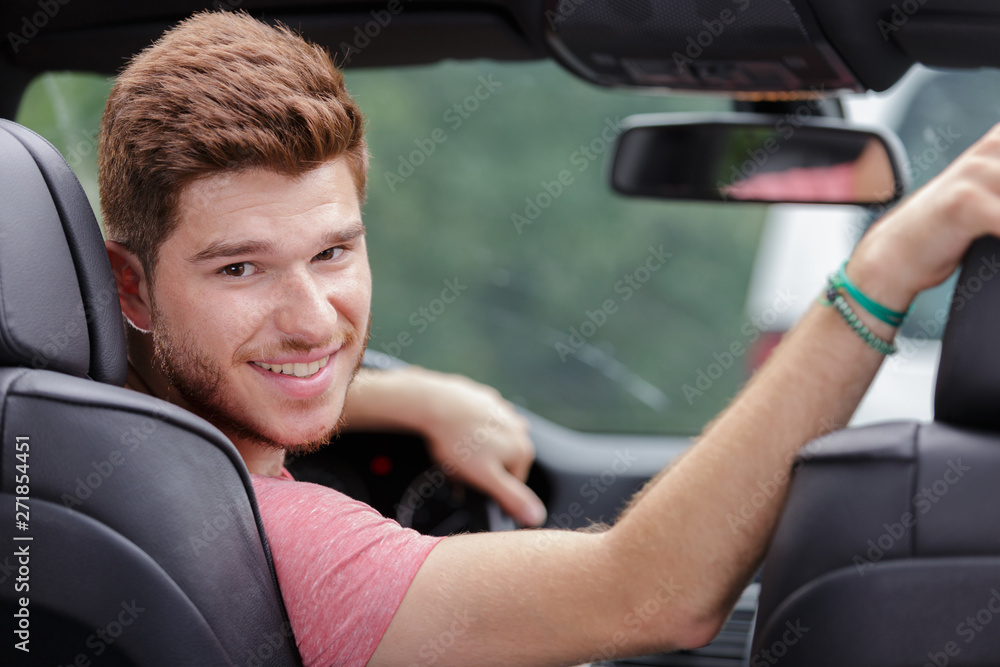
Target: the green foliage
pixel 462 213
pixel 66 108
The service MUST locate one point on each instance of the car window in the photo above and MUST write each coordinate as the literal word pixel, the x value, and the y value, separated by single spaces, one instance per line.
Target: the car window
pixel 948 113
pixel 499 250
pixel 66 109
pixel 937 114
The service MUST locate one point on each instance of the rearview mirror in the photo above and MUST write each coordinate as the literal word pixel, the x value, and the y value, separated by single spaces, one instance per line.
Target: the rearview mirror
pixel 759 158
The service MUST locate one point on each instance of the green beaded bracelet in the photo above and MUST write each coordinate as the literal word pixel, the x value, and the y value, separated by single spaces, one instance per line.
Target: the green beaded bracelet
pixel 835 299
pixel 887 315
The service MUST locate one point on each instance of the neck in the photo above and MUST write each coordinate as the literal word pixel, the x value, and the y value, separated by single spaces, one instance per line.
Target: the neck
pixel 144 377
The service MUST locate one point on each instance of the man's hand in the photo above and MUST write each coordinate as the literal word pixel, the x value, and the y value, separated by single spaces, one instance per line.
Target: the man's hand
pixel 923 240
pixel 474 433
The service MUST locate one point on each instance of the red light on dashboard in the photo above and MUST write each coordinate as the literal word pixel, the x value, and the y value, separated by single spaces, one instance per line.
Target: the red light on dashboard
pixel 381 465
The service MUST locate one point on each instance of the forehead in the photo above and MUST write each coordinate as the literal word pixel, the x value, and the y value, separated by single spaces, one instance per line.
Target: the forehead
pixel 258 203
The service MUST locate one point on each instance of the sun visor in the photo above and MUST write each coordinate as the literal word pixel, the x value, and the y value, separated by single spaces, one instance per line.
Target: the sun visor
pixel 727 45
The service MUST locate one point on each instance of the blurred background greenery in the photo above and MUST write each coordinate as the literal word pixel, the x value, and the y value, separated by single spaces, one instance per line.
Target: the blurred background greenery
pixel 478 212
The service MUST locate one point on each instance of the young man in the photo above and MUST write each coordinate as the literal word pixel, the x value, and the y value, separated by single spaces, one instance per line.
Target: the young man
pixel 233 168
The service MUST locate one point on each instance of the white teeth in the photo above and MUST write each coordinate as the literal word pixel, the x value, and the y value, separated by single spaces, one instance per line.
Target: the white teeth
pixel 297 369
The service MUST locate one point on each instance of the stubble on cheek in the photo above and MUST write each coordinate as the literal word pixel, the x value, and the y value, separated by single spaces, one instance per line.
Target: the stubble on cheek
pixel 204 388
pixel 200 383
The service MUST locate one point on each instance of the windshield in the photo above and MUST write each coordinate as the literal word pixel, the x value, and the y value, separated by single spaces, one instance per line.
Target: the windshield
pixel 500 252
pixel 937 115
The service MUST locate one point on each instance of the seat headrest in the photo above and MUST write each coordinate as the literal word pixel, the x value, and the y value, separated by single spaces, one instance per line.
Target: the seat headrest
pixel 58 302
pixel 968 383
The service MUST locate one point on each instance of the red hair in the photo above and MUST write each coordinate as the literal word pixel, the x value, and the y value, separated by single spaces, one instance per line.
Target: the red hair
pixel 219 92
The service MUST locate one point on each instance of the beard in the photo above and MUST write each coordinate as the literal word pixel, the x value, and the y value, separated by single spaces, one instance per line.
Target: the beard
pixel 204 386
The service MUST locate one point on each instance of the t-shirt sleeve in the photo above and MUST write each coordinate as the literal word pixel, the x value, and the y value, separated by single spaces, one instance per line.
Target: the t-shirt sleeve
pixel 343 568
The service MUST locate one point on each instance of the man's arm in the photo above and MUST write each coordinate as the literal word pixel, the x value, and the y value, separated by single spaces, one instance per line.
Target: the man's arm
pixel 553 597
pixel 667 574
pixel 470 429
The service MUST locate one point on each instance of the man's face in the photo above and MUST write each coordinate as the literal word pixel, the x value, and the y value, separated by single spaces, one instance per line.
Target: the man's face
pixel 261 302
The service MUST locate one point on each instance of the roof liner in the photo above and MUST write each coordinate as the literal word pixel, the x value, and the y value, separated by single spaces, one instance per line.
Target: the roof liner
pixel 878 40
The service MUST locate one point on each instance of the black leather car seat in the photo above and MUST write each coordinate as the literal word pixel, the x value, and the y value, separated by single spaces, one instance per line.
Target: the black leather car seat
pixel 129 532
pixel 888 552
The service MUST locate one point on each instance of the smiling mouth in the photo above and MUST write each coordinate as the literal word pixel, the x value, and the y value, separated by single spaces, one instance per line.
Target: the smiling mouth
pixel 296 370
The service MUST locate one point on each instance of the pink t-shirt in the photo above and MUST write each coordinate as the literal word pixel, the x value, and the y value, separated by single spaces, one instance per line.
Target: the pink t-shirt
pixel 343 568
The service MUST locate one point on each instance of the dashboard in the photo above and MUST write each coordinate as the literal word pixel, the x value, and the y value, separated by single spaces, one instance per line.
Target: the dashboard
pixel 393 473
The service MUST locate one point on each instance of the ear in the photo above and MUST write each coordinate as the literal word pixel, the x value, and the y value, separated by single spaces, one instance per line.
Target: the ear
pixel 133 287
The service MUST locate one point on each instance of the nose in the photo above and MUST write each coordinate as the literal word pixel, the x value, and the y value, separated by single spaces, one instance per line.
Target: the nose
pixel 304 309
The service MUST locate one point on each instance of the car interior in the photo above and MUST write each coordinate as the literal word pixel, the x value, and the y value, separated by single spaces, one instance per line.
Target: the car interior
pixel 885 553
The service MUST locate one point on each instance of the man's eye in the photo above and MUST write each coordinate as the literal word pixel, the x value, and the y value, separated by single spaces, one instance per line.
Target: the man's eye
pixel 329 253
pixel 239 270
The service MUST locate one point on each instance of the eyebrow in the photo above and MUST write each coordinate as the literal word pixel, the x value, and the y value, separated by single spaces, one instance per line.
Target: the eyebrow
pixel 230 249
